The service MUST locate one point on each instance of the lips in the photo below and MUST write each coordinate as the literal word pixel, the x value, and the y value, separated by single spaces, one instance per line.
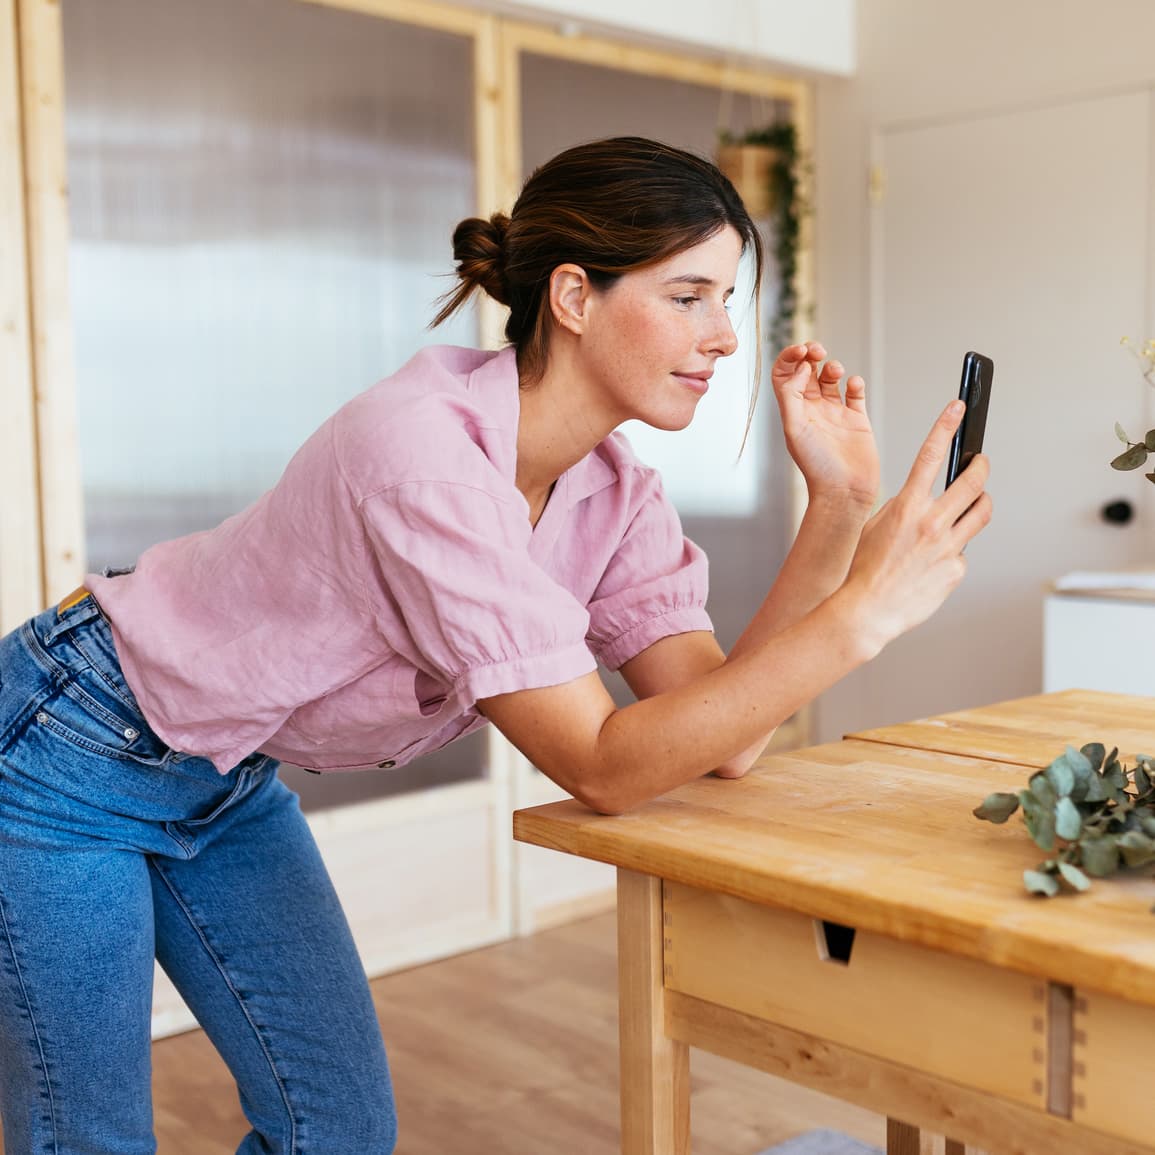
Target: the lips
pixel 698 382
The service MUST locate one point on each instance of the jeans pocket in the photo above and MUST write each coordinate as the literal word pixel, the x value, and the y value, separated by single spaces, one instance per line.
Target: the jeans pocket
pixel 80 719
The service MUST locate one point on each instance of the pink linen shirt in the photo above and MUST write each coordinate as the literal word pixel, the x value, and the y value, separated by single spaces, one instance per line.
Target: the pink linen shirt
pixel 353 615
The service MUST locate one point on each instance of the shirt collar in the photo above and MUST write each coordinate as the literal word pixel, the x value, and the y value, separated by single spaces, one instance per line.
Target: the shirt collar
pixel 496 380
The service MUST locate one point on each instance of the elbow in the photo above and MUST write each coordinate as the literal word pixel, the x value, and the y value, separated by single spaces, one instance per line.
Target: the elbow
pixel 603 799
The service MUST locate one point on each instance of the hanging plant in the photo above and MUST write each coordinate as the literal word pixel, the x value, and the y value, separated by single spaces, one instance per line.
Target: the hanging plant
pixel 766 168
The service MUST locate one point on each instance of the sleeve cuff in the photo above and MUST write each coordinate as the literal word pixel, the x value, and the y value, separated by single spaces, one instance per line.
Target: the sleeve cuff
pixel 617 651
pixel 526 672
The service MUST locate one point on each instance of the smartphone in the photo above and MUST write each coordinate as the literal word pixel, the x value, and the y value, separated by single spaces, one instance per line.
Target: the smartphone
pixel 978 373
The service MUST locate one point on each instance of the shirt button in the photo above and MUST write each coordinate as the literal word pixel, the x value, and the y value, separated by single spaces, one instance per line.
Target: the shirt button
pixel 388 764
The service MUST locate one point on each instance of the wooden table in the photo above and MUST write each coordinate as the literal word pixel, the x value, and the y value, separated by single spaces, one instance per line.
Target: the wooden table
pixel 840 919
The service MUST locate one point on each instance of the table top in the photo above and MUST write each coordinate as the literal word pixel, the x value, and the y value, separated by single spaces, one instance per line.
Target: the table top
pixel 1032 731
pixel 881 837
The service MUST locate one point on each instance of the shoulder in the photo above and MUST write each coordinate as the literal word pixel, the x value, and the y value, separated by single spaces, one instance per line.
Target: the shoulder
pixel 449 414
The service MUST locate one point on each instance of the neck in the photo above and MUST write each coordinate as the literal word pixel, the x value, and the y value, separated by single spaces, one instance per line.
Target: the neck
pixel 560 422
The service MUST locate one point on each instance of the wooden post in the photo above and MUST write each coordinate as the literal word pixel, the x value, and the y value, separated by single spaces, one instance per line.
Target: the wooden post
pixel 21 583
pixel 46 199
pixel 655 1070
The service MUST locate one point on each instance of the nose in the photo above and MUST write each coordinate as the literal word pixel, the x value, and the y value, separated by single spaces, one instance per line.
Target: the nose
pixel 721 340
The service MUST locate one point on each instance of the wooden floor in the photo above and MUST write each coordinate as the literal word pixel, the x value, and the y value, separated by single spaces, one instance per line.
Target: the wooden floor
pixel 510 1050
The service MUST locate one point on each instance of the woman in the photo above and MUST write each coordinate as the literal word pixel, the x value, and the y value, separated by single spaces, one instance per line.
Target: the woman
pixel 458 544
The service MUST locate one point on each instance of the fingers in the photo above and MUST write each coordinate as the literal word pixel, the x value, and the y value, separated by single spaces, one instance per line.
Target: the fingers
pixel 828 378
pixel 856 394
pixel 972 522
pixel 934 449
pixel 802 367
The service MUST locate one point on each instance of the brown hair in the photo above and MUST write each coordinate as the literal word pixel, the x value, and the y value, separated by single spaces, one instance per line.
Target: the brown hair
pixel 611 206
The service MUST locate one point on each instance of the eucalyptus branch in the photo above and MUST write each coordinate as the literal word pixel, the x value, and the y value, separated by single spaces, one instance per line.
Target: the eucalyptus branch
pixel 1092 814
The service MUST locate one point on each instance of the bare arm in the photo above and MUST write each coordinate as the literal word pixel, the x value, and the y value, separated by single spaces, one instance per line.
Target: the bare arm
pixel 908 560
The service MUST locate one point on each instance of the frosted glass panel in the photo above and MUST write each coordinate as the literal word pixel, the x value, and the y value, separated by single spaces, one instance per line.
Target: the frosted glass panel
pixel 737 510
pixel 263 194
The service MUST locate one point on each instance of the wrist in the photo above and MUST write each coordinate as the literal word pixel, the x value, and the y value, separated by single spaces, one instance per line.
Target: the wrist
pixel 858 623
pixel 847 504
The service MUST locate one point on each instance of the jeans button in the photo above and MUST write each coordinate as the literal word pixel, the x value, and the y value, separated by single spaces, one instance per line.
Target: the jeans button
pixel 131 734
pixel 42 717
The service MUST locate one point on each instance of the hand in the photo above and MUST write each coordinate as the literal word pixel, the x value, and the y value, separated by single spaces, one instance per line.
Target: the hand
pixel 909 558
pixel 829 438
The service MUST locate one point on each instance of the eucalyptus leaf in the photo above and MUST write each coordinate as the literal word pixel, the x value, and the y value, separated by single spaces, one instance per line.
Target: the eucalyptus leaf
pixel 1115 776
pixel 1137 848
pixel 1097 789
pixel 1074 876
pixel 1042 788
pixel 1131 458
pixel 1149 439
pixel 1039 883
pixel 997 808
pixel 1094 752
pixel 1078 761
pixel 1100 856
pixel 1148 826
pixel 1068 820
pixel 1040 820
pixel 1061 774
pixel 1142 781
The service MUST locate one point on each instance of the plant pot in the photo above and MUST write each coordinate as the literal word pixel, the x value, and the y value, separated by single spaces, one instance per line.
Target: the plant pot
pixel 748 167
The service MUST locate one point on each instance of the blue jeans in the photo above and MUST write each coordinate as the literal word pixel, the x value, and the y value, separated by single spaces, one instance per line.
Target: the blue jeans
pixel 115 849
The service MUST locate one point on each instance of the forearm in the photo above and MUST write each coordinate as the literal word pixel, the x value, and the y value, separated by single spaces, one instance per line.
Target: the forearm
pixel 656 744
pixel 814 568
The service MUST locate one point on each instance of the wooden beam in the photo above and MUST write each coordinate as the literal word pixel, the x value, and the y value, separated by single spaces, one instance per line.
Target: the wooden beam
pixel 423 13
pixel 899 1092
pixel 21 581
pixel 46 200
pixel 651 62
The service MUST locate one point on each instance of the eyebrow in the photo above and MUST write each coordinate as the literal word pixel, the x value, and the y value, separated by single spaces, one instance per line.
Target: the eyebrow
pixel 694 279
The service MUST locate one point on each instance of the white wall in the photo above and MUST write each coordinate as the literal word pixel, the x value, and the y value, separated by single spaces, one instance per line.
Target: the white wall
pixel 811 35
pixel 929 64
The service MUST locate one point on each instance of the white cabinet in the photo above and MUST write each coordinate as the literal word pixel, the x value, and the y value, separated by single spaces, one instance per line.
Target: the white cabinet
pixel 1101 641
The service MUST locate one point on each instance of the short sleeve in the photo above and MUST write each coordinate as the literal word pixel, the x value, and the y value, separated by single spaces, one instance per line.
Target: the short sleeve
pixel 655 584
pixel 473 606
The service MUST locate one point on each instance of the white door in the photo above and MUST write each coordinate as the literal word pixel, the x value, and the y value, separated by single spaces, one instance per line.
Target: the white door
pixel 1023 236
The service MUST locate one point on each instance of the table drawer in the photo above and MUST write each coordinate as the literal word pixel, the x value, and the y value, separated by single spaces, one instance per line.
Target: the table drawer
pixel 947 1016
pixel 1112 1066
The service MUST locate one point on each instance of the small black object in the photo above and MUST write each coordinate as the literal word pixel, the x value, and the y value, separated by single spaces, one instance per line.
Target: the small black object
pixel 1117 512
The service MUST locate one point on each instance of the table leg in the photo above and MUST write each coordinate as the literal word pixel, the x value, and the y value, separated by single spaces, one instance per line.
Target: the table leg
pixel 954 1147
pixel 655 1070
pixel 902 1138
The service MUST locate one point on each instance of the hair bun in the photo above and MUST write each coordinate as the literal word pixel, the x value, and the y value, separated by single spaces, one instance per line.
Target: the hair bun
pixel 479 250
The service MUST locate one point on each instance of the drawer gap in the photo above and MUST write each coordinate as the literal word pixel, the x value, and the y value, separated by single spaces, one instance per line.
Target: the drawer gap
pixel 835 941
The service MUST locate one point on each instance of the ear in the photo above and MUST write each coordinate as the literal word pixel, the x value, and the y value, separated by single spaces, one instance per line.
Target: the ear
pixel 569 294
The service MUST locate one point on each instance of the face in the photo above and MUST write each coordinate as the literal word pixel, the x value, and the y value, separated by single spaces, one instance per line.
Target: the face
pixel 649 342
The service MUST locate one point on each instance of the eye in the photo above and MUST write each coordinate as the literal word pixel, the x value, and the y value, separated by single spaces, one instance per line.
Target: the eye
pixel 686 302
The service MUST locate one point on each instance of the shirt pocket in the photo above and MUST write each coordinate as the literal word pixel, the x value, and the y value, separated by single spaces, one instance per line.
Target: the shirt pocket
pixel 383 719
